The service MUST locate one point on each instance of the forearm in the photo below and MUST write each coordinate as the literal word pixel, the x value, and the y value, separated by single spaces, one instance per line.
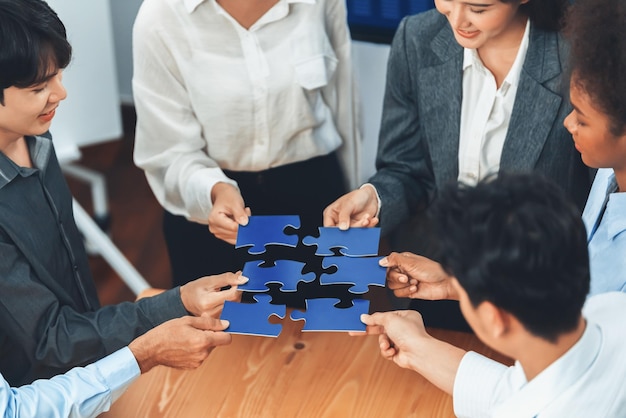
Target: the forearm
pixel 81 392
pixel 438 361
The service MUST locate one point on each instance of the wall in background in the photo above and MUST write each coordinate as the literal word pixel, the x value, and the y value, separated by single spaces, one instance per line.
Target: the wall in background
pixel 124 12
pixel 91 112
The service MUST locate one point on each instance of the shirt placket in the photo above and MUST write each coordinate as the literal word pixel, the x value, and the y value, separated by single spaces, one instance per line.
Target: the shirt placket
pixel 258 72
pixel 474 150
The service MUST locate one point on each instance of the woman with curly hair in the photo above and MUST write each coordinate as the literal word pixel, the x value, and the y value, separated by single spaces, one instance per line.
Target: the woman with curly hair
pixel 598 127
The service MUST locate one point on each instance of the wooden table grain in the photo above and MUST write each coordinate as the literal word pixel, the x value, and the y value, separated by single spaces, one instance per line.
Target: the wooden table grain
pixel 299 374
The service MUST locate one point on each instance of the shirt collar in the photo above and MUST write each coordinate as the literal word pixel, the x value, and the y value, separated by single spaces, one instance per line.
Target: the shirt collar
pixel 470 57
pixel 39 147
pixel 532 397
pixel 191 5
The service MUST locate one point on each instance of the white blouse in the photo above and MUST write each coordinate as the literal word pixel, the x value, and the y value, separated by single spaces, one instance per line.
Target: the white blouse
pixel 212 95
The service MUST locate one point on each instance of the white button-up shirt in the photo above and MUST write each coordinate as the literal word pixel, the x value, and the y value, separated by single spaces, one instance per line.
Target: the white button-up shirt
pixel 212 95
pixel 486 113
pixel 586 381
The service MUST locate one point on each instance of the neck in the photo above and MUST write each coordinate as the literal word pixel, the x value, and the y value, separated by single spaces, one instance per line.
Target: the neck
pixel 17 151
pixel 246 13
pixel 536 354
pixel 499 54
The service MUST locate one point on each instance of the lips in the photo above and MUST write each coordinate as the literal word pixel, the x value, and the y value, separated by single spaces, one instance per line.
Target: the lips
pixel 47 117
pixel 467 34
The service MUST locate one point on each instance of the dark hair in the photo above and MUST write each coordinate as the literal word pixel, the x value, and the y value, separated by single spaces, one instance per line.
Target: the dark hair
pixel 545 14
pixel 519 243
pixel 596 30
pixel 32 39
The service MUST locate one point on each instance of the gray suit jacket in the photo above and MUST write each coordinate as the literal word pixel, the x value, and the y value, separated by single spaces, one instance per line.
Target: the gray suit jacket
pixel 419 138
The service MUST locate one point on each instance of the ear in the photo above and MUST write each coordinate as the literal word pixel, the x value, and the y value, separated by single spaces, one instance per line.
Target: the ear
pixel 496 321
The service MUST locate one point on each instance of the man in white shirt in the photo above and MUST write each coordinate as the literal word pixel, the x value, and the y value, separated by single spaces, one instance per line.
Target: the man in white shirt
pixel 517 251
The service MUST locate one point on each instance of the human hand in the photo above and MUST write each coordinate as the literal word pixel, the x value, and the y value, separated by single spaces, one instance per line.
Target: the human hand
pixel 205 295
pixel 182 343
pixel 411 275
pixel 228 212
pixel 400 335
pixel 355 209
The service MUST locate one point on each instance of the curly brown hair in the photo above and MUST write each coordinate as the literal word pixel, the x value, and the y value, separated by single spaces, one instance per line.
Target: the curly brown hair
pixel 596 30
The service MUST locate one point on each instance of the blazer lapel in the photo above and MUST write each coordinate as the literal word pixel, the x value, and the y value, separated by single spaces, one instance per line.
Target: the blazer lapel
pixel 440 103
pixel 536 106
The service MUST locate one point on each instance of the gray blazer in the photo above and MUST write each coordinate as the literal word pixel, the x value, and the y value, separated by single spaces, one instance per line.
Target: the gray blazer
pixel 419 137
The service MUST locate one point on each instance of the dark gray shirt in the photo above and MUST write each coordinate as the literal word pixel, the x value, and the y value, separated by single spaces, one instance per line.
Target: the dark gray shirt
pixel 50 316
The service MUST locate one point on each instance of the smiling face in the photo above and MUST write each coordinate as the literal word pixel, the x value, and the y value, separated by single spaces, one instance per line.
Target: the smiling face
pixel 590 129
pixel 478 23
pixel 29 111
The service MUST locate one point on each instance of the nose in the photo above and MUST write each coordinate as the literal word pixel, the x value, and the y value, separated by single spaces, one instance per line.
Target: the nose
pixel 569 123
pixel 58 91
pixel 456 16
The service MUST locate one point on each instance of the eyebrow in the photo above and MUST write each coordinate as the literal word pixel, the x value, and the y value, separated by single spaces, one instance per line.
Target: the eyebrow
pixel 478 4
pixel 577 109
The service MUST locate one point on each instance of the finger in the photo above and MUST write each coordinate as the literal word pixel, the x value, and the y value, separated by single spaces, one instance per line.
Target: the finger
pixel 329 216
pixel 375 319
pixel 397 278
pixel 406 292
pixel 221 338
pixel 225 279
pixel 240 215
pixel 344 217
pixel 208 323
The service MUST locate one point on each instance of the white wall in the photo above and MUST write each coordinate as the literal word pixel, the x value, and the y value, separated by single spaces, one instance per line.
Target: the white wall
pixel 124 12
pixel 91 112
pixel 370 66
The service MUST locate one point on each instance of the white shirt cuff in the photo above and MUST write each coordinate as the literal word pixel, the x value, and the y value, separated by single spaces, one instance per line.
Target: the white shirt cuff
pixel 378 202
pixel 119 370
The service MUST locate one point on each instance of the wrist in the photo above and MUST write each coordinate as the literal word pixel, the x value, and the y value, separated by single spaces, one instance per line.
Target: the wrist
pixel 138 347
pixel 372 198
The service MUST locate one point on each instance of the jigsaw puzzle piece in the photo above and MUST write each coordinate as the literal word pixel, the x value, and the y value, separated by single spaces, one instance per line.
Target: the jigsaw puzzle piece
pixel 362 272
pixel 322 315
pixel 353 242
pixel 286 272
pixel 267 230
pixel 252 318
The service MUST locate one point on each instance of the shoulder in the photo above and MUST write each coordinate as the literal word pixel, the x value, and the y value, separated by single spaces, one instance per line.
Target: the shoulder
pixel 155 13
pixel 423 26
pixel 425 35
pixel 607 309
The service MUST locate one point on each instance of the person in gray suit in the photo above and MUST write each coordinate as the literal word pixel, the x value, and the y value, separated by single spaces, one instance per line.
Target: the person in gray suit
pixel 472 89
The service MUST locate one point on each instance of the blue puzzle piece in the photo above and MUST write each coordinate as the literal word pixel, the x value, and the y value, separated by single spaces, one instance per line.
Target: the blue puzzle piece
pixel 267 230
pixel 362 272
pixel 322 315
pixel 286 272
pixel 252 318
pixel 354 242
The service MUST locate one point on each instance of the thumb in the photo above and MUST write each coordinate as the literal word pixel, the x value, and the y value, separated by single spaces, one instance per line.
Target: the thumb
pixel 208 323
pixel 240 215
pixel 228 279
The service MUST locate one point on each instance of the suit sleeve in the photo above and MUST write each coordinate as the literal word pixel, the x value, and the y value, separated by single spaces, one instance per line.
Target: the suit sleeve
pixel 49 335
pixel 404 177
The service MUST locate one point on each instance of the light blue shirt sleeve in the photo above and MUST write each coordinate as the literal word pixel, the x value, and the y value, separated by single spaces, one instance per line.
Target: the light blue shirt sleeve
pixel 81 392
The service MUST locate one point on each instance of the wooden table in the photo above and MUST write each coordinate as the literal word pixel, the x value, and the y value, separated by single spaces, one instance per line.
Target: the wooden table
pixel 295 375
